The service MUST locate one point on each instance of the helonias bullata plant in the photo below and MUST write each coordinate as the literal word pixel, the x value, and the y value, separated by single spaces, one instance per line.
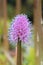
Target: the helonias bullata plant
pixel 19 32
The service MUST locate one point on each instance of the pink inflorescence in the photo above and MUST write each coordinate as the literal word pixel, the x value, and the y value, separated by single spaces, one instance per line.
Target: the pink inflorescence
pixel 20 29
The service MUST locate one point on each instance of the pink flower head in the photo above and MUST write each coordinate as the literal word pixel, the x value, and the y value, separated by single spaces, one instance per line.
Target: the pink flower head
pixel 20 28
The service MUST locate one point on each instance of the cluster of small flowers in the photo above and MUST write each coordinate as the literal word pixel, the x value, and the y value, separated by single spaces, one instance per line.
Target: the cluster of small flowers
pixel 20 28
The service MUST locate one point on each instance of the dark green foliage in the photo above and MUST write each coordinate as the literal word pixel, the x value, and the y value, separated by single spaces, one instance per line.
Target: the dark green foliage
pixel 27 8
pixel 30 13
pixel 11 11
pixel 23 2
pixel 11 47
pixel 11 2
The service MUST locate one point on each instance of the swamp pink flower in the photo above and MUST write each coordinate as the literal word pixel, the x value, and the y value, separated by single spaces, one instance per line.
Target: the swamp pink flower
pixel 20 28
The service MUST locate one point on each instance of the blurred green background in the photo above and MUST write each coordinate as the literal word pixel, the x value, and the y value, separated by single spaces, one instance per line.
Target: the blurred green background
pixel 27 8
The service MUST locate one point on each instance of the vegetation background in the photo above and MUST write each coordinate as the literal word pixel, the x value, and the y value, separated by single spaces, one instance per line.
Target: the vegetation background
pixel 27 8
